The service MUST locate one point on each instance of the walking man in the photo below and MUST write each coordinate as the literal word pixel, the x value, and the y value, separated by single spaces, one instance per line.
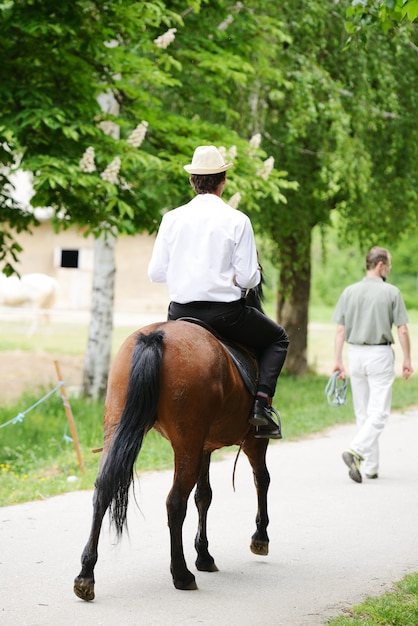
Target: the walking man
pixel 365 314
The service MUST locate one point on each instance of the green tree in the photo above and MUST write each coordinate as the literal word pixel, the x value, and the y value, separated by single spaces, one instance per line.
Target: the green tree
pixel 56 62
pixel 346 133
pixel 340 121
pixel 388 14
pixel 60 63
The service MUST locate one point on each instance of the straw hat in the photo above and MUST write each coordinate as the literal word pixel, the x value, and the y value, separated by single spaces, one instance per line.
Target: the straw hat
pixel 207 160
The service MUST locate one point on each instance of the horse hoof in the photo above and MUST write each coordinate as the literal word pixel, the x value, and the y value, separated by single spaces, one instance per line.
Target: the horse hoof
pixel 186 586
pixel 191 587
pixel 84 590
pixel 261 548
pixel 205 566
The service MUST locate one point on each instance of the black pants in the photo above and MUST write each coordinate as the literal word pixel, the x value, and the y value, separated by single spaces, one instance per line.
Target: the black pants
pixel 244 324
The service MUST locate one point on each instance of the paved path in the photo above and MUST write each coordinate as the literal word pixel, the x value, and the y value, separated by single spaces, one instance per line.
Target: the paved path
pixel 332 543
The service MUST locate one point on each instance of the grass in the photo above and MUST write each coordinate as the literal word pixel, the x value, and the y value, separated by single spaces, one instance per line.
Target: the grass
pixel 70 338
pixel 38 459
pixel 396 608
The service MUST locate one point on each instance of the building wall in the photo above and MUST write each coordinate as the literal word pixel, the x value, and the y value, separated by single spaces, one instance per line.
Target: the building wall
pixel 134 293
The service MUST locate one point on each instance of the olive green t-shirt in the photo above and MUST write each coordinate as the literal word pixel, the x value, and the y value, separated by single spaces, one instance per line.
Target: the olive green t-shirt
pixel 368 309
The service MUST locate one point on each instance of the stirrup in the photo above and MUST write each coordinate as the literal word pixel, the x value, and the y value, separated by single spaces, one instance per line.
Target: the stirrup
pixel 271 430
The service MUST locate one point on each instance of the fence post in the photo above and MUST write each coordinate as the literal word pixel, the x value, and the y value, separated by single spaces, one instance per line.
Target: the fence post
pixel 70 417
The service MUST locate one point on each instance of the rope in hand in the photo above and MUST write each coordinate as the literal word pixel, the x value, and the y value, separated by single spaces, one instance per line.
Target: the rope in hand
pixel 336 390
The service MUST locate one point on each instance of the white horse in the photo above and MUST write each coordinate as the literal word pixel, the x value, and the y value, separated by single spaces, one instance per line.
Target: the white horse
pixel 38 291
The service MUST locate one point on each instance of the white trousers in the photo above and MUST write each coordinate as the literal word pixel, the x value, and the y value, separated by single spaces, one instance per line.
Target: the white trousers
pixel 372 372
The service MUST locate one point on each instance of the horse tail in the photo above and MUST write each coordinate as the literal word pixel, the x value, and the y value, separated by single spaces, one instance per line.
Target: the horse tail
pixel 138 417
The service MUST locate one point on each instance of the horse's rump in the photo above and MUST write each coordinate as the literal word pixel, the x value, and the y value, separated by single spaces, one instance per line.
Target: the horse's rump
pixel 196 370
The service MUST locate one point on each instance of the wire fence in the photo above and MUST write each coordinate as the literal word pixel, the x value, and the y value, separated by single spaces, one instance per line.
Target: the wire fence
pixel 21 416
pixel 70 418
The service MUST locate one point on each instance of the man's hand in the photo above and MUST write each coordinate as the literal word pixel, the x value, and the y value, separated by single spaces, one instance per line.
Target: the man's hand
pixel 407 370
pixel 339 367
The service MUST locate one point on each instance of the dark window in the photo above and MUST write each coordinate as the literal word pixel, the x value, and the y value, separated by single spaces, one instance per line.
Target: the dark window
pixel 69 258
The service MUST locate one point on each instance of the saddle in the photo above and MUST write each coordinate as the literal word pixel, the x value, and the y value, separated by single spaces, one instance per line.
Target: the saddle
pixel 244 359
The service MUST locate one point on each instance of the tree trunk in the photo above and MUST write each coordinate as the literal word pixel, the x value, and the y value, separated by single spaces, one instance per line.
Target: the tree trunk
pixel 293 306
pixel 97 361
pixel 99 346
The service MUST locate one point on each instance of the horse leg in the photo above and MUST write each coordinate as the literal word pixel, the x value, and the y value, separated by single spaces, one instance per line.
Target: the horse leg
pixel 35 322
pixel 84 582
pixel 203 499
pixel 185 477
pixel 255 449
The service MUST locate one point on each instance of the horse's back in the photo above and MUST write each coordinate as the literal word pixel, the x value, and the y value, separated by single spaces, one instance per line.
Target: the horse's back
pixel 36 289
pixel 41 289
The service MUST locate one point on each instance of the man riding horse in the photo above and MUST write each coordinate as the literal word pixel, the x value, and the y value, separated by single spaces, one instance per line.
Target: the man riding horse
pixel 181 380
pixel 205 251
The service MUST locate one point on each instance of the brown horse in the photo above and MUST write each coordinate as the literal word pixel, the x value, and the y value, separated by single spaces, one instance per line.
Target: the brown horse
pixel 178 378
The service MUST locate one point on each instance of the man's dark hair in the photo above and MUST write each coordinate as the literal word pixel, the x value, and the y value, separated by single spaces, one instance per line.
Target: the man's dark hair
pixel 375 255
pixel 206 183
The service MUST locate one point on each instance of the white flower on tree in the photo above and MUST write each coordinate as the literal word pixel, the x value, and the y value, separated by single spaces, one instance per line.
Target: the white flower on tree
pixel 137 136
pixel 87 161
pixel 227 21
pixel 230 18
pixel 232 153
pixel 235 200
pixel 111 172
pixel 163 41
pixel 255 141
pixel 228 155
pixel 107 126
pixel 266 171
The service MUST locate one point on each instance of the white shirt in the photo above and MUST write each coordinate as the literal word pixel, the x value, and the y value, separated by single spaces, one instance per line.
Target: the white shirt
pixel 202 249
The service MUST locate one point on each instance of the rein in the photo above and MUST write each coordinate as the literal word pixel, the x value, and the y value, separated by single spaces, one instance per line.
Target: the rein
pixel 236 458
